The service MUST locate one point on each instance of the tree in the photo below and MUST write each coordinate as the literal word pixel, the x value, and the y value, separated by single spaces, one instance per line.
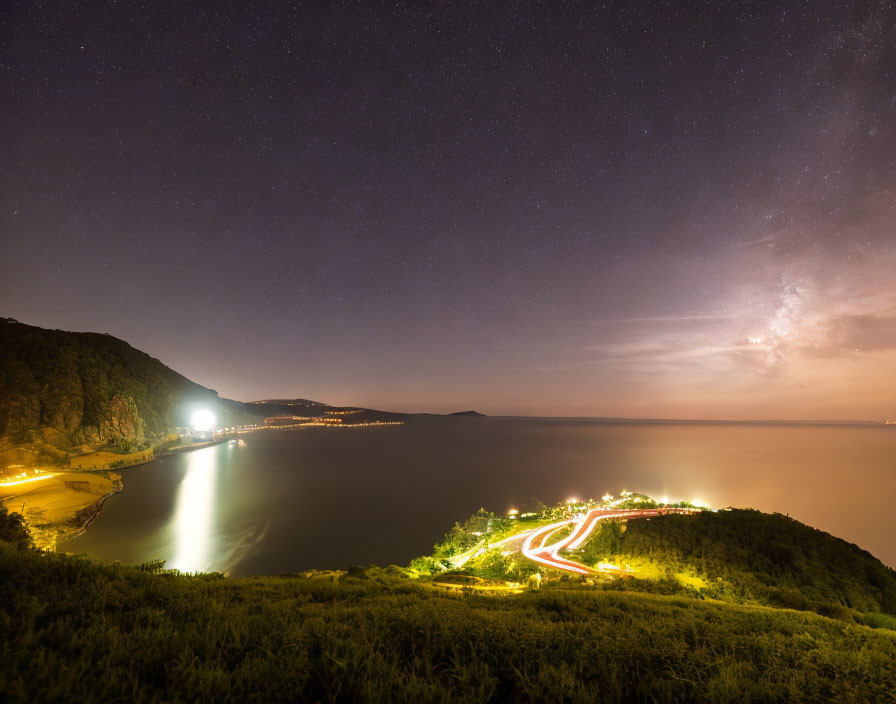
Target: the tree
pixel 13 529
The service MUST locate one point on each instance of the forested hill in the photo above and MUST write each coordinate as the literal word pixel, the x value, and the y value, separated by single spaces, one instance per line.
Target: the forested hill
pixel 754 556
pixel 735 555
pixel 64 393
pixel 63 390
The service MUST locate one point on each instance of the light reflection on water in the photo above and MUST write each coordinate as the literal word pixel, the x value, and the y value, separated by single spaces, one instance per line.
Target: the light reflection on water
pixel 192 525
pixel 331 499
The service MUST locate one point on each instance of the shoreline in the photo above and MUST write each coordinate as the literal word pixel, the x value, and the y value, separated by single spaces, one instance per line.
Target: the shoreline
pixel 180 449
pixel 94 510
pixel 62 505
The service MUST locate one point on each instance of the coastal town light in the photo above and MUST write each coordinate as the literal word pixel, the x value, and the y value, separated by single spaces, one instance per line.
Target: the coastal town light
pixel 203 420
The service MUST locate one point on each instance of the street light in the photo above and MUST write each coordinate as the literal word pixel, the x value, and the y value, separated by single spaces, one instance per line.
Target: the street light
pixel 203 420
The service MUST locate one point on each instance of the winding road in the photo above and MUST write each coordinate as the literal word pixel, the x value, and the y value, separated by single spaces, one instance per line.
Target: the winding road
pixel 537 547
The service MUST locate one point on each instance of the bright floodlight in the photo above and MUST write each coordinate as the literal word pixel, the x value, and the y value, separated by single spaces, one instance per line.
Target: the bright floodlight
pixel 202 420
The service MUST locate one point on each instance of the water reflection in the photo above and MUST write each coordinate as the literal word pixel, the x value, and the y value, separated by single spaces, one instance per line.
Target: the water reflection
pixel 329 499
pixel 192 526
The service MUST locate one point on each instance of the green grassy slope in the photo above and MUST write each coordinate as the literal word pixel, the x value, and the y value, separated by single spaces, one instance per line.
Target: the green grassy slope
pixel 72 630
pixel 747 555
pixel 741 556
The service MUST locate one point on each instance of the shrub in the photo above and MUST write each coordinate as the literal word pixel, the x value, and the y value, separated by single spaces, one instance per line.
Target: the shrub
pixel 13 529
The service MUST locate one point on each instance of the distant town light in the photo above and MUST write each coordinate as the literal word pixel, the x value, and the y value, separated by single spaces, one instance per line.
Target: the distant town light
pixel 512 512
pixel 572 500
pixel 203 420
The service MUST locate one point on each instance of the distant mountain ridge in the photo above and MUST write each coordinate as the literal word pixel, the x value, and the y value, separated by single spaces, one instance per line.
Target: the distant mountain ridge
pixel 289 402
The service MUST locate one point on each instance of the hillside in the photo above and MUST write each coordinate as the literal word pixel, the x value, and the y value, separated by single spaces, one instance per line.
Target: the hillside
pixel 746 555
pixel 739 556
pixel 304 407
pixel 62 393
pixel 73 630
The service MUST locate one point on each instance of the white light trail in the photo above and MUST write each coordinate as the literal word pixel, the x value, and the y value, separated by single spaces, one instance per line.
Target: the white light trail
pixel 583 527
pixel 26 481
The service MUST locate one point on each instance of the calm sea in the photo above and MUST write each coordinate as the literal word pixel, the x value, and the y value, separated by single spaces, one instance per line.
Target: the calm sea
pixel 322 498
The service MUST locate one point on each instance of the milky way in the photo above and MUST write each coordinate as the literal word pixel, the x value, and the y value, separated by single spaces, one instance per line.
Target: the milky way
pixel 621 209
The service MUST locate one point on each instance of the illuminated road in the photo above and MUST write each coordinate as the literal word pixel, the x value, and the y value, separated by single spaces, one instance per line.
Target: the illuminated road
pixel 537 548
pixel 460 560
pixel 16 482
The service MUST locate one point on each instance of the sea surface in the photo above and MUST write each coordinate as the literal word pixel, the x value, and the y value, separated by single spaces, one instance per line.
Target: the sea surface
pixel 325 498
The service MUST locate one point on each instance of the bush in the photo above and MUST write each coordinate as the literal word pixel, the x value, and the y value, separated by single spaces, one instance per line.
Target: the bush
pixel 835 611
pixel 13 529
pixel 878 620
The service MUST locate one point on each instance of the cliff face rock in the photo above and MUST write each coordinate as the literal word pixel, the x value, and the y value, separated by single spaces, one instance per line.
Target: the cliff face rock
pixel 62 393
pixel 122 420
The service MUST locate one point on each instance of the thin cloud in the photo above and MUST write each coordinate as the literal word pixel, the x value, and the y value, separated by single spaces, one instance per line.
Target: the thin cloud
pixel 859 333
pixel 760 240
pixel 641 356
pixel 688 317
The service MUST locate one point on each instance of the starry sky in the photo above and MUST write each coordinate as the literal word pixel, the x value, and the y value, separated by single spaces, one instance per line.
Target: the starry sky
pixel 675 209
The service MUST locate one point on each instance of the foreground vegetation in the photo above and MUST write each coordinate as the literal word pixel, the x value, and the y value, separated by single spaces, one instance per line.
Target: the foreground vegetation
pixel 74 630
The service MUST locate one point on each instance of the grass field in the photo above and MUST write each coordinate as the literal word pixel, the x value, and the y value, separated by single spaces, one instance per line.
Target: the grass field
pixel 110 460
pixel 72 630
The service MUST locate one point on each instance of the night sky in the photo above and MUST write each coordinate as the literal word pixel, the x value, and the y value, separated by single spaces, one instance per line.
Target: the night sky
pixel 670 209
